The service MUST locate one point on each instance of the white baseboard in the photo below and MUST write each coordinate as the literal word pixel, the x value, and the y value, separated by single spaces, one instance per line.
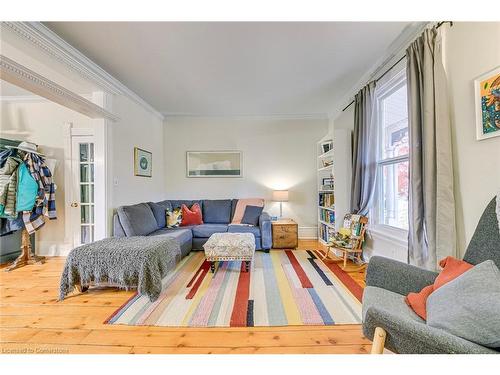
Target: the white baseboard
pixel 53 248
pixel 308 233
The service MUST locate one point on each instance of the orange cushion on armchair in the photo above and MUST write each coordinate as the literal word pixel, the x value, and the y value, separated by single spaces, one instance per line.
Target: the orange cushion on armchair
pixel 452 268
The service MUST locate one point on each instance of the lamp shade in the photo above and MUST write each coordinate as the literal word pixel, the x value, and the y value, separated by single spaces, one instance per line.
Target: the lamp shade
pixel 280 195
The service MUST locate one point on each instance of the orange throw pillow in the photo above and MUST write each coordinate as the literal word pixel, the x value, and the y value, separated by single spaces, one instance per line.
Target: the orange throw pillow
pixel 452 268
pixel 417 301
pixel 191 216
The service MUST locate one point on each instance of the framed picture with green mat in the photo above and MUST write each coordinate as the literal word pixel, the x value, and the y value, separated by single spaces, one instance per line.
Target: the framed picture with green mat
pixel 143 162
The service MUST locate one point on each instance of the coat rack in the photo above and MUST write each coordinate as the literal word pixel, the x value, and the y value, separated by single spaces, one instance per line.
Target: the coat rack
pixel 26 257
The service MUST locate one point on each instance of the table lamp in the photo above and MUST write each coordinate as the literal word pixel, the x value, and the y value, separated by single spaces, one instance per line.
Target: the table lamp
pixel 280 196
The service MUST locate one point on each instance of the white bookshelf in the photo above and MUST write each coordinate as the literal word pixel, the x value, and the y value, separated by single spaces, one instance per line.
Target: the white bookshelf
pixel 325 197
pixel 340 171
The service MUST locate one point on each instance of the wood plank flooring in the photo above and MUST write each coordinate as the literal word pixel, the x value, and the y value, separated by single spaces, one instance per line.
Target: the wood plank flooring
pixel 33 321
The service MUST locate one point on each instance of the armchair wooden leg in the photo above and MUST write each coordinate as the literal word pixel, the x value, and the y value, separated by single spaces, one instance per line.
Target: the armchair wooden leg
pixel 327 251
pixel 345 259
pixel 378 341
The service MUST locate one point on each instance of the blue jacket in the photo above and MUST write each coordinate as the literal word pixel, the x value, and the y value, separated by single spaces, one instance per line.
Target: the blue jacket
pixel 27 189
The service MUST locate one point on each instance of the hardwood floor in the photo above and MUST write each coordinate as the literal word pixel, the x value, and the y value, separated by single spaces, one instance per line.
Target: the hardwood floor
pixel 33 321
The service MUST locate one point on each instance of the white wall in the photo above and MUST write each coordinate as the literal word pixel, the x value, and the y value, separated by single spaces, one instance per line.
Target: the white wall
pixel 137 127
pixel 277 154
pixel 42 122
pixel 343 127
pixel 345 120
pixel 471 49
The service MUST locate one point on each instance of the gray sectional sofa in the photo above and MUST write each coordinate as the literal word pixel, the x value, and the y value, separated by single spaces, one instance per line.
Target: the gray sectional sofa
pixel 149 219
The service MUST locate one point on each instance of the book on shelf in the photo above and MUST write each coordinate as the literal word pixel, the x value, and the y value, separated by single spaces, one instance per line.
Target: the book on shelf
pixel 327 216
pixel 326 232
pixel 326 199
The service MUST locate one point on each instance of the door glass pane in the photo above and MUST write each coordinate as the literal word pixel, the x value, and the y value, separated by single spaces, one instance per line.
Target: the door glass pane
pixel 85 194
pixel 87 219
pixel 86 234
pixel 85 214
pixel 84 173
pixel 395 195
pixel 84 152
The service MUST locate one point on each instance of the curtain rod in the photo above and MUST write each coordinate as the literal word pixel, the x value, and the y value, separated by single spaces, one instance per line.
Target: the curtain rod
pixel 439 24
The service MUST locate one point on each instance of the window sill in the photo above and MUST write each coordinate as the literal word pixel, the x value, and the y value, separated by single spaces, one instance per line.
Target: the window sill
pixel 388 233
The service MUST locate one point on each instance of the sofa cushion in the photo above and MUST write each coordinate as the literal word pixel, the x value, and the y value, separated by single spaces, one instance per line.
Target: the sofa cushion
pixel 159 209
pixel 251 215
pixel 182 235
pixel 469 306
pixel 137 220
pixel 206 230
pixel 173 218
pixel 217 211
pixel 241 206
pixel 178 203
pixel 236 228
pixel 191 216
pixel 234 203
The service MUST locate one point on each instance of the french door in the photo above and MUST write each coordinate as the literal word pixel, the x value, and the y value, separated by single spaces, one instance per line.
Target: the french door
pixel 83 189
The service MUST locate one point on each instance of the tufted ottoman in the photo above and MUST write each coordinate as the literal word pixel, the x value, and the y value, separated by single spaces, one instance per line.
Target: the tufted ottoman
pixel 230 246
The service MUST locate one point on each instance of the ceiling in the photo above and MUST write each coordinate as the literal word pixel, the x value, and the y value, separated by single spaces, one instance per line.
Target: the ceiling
pixel 235 68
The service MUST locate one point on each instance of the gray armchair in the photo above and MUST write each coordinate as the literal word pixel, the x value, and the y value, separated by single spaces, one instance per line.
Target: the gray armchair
pixel 389 322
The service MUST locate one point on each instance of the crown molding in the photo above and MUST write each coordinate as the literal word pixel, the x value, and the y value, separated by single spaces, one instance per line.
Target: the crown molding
pixel 25 78
pixel 393 53
pixel 279 116
pixel 60 50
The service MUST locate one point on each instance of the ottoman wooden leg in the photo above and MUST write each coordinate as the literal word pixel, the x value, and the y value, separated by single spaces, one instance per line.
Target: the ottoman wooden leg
pixel 212 266
pixel 247 265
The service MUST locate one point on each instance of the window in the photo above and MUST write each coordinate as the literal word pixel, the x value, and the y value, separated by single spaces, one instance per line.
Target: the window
pixel 391 201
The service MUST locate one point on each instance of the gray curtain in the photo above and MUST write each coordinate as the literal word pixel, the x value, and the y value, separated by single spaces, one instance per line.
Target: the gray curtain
pixel 364 151
pixel 431 234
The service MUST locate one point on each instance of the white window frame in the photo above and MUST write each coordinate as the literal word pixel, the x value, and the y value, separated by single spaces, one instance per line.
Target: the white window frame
pixel 395 234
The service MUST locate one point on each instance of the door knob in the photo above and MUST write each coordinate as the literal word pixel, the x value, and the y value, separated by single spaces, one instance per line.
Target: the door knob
pixel 74 204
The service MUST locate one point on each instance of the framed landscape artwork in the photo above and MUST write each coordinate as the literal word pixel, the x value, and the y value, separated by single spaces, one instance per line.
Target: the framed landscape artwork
pixel 487 96
pixel 143 162
pixel 213 164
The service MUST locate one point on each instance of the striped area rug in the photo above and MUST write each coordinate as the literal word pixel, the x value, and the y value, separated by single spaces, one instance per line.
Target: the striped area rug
pixel 283 288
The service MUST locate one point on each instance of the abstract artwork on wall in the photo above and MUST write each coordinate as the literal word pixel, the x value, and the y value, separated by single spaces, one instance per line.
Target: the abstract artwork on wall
pixel 213 164
pixel 487 95
pixel 143 162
